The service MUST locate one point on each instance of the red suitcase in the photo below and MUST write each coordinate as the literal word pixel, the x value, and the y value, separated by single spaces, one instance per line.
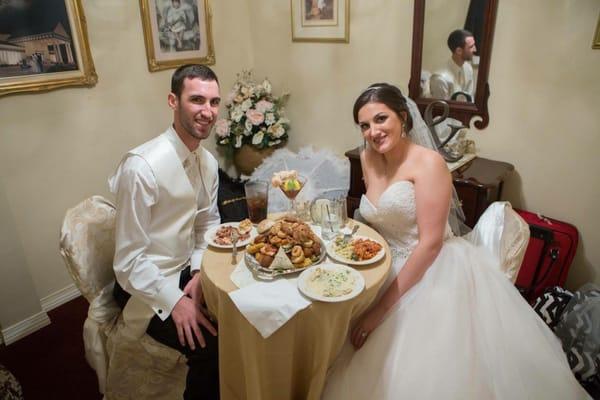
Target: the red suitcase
pixel 552 246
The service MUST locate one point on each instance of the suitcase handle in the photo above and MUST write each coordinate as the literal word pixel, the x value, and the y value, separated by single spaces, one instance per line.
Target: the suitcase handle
pixel 547 236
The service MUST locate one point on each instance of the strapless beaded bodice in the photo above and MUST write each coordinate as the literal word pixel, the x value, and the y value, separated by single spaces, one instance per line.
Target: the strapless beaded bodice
pixel 395 216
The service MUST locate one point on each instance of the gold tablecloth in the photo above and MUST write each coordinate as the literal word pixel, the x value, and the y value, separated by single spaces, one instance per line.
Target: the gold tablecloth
pixel 292 363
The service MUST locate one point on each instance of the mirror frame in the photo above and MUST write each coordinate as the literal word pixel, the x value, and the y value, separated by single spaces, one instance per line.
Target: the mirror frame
pixel 459 110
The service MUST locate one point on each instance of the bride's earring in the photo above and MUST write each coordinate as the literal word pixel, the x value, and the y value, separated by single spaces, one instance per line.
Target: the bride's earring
pixel 403 135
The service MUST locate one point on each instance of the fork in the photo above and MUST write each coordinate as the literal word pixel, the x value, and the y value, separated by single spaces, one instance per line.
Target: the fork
pixel 234 239
pixel 348 236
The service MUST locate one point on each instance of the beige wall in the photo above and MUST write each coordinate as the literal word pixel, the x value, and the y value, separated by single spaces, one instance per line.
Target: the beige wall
pixel 543 107
pixel 59 147
pixel 544 119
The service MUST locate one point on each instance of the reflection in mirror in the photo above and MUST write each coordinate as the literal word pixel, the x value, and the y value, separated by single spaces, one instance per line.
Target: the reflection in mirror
pixel 459 76
pixel 450 57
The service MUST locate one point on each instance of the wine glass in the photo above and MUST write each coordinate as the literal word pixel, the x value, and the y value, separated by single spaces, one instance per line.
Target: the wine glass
pixel 291 187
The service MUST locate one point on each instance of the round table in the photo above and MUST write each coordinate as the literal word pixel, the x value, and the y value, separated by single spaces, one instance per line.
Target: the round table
pixel 292 363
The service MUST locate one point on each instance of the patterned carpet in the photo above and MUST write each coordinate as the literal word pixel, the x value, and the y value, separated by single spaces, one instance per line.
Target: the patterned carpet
pixel 50 364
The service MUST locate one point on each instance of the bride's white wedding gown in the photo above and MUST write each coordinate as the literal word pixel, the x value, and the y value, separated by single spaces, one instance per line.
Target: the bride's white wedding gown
pixel 463 332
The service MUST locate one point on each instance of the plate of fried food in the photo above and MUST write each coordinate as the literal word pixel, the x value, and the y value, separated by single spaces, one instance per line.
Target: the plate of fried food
pixel 220 235
pixel 283 246
pixel 331 282
pixel 358 250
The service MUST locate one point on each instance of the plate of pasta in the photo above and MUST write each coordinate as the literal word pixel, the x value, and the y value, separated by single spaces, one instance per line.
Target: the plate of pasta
pixel 359 250
pixel 331 282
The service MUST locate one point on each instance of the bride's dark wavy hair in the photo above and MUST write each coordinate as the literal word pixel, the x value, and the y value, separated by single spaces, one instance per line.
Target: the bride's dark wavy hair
pixel 386 94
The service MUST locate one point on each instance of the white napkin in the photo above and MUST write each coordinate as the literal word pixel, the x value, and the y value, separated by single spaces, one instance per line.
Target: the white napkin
pixel 241 276
pixel 269 305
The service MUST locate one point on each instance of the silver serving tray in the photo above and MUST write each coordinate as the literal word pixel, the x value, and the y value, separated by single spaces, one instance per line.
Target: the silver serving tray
pixel 269 274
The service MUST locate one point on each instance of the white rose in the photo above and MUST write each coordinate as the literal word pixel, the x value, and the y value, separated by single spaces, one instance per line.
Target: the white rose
pixel 258 137
pixel 273 143
pixel 266 86
pixel 276 131
pixel 236 114
pixel 248 128
pixel 246 104
pixel 269 118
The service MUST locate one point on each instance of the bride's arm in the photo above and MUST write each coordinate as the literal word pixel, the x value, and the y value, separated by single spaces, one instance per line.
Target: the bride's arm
pixel 433 188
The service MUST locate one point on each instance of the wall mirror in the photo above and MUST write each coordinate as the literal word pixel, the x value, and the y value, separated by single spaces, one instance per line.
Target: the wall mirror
pixel 433 21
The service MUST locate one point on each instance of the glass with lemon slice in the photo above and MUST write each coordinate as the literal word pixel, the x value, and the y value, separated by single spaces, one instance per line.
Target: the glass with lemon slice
pixel 290 183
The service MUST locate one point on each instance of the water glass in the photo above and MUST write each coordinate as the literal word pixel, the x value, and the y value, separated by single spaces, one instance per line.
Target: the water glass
pixel 331 219
pixel 343 209
pixel 257 196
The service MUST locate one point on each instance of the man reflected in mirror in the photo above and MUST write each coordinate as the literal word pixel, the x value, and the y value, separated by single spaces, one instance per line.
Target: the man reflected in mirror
pixel 454 81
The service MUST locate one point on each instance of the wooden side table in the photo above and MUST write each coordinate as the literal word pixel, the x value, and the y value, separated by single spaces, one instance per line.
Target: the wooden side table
pixel 478 183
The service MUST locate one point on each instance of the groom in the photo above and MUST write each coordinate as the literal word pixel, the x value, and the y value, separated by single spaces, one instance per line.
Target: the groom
pixel 166 192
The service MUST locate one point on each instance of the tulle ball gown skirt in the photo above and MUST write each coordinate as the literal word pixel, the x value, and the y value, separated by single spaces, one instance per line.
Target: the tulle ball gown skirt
pixel 463 332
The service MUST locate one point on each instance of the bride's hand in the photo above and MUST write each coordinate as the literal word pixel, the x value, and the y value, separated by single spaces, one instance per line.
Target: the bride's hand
pixel 367 324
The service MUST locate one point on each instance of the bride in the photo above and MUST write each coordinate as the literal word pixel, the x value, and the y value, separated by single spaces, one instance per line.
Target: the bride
pixel 447 323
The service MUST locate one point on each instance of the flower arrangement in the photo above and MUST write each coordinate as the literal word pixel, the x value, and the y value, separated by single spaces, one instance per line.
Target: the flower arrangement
pixel 254 115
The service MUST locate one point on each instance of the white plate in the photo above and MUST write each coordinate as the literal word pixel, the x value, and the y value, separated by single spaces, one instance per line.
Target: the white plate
pixel 334 256
pixel 210 234
pixel 359 283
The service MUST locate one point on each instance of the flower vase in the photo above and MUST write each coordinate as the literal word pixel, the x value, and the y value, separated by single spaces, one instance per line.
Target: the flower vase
pixel 248 157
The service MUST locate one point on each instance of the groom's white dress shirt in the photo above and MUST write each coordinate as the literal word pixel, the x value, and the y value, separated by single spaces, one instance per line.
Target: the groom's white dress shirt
pixel 166 201
pixel 451 79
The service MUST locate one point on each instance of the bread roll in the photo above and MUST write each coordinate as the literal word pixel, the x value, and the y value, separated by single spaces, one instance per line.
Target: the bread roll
pixel 265 225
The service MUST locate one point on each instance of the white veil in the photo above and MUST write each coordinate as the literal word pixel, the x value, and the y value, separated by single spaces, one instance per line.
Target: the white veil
pixel 421 135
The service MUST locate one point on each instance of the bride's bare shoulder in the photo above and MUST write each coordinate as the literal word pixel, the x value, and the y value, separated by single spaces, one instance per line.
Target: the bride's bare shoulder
pixel 426 159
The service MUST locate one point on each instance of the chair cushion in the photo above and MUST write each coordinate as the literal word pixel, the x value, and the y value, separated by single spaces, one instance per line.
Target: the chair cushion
pixel 87 244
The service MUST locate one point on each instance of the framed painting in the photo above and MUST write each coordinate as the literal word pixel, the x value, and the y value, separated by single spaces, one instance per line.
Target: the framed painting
pixel 43 45
pixel 320 20
pixel 177 32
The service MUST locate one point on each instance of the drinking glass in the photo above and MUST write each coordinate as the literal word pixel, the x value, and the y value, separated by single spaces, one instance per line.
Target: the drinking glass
pixel 291 187
pixel 331 219
pixel 257 196
pixel 343 205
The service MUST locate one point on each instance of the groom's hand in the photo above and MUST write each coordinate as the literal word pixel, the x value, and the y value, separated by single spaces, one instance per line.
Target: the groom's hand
pixel 187 316
pixel 193 289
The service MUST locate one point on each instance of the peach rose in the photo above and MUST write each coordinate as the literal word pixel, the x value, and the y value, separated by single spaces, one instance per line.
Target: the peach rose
pixel 255 117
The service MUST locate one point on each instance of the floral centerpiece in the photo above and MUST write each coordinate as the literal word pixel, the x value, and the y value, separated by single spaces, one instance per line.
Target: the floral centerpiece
pixel 254 116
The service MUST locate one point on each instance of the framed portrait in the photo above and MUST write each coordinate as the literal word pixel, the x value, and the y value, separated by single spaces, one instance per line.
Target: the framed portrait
pixel 177 32
pixel 320 20
pixel 43 45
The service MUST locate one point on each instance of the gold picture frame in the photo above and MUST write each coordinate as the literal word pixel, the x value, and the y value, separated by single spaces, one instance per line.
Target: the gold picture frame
pixel 51 52
pixel 177 32
pixel 596 42
pixel 320 20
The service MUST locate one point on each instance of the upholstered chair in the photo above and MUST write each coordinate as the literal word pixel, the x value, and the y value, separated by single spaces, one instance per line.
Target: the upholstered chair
pixel 504 234
pixel 126 368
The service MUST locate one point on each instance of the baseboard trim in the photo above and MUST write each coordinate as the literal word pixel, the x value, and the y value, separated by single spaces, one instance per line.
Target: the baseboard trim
pixel 25 327
pixel 60 297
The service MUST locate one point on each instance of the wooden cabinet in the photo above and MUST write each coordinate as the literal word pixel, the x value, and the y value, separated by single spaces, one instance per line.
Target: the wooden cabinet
pixel 478 183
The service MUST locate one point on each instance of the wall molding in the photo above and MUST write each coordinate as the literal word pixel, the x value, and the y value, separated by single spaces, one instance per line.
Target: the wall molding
pixel 41 319
pixel 25 327
pixel 60 297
